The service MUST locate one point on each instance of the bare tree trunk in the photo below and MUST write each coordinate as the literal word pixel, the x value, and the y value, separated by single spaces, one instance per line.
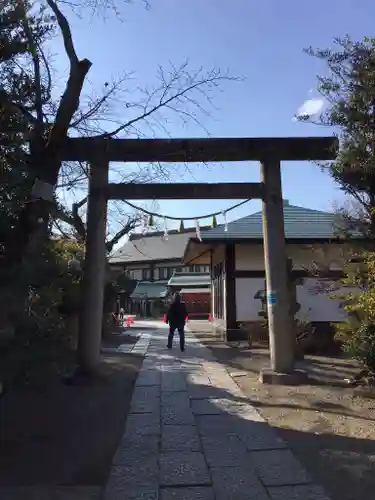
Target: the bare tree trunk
pixel 31 232
pixel 46 143
pixel 31 229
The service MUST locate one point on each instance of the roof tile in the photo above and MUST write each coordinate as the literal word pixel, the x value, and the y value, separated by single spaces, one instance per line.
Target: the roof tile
pixel 299 223
pixel 190 279
pixel 153 247
pixel 150 290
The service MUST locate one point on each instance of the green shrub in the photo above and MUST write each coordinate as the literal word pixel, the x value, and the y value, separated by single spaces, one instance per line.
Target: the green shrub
pixel 357 334
pixel 360 345
pixel 36 298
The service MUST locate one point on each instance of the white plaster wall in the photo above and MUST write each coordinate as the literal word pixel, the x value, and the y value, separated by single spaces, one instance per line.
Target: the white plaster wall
pixel 314 307
pixel 318 306
pixel 248 307
pixel 250 257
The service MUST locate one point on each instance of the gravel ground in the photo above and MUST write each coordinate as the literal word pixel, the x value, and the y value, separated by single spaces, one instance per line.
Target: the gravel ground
pixel 329 426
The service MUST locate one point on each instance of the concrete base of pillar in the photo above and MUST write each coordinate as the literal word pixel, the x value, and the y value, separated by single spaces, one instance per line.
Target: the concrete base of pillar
pixel 297 377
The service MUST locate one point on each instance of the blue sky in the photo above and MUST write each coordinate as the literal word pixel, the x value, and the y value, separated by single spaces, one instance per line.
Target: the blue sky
pixel 259 41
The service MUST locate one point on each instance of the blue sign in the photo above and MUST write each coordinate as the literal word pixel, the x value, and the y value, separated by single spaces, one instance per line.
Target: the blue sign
pixel 271 298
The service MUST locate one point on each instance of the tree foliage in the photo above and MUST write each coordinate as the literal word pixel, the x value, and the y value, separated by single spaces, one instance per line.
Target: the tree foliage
pixel 349 91
pixel 50 120
pixel 358 332
pixel 35 342
pixel 16 97
pixel 35 122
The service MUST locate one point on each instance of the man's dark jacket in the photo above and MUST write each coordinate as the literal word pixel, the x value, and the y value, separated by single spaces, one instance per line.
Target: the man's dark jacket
pixel 176 315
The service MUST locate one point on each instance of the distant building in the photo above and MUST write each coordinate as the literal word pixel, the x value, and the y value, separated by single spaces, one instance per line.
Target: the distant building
pixel 236 260
pixel 195 289
pixel 155 262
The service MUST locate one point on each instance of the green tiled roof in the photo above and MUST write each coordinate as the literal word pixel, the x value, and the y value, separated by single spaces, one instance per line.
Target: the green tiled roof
pixel 190 279
pixel 194 290
pixel 153 246
pixel 149 290
pixel 299 223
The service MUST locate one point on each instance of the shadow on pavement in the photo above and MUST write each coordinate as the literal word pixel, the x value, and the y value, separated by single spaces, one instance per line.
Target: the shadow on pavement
pixel 344 466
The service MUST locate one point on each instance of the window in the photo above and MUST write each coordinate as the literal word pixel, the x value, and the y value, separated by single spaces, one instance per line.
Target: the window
pixel 218 289
pixel 200 269
pixel 135 274
pixel 185 269
pixel 163 273
pixel 195 269
pixel 146 274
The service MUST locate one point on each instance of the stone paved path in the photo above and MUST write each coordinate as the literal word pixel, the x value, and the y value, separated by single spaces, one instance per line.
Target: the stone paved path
pixel 192 435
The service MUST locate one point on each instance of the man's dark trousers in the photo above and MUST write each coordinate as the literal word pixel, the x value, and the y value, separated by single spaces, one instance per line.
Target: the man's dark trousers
pixel 181 333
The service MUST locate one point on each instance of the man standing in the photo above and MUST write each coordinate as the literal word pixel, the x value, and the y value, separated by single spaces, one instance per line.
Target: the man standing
pixel 176 318
pixel 121 316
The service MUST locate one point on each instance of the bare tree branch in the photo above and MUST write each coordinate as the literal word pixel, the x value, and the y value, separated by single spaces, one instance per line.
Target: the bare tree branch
pixel 73 220
pixel 66 33
pixel 37 73
pixel 48 88
pixel 78 70
pixel 129 226
pixel 178 91
pixel 181 94
pixel 97 106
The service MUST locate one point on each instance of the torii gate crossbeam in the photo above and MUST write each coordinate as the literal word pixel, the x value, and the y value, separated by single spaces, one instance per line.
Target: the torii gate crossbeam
pixel 268 151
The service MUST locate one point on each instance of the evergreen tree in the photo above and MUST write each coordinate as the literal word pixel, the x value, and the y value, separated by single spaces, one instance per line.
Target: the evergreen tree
pixel 349 90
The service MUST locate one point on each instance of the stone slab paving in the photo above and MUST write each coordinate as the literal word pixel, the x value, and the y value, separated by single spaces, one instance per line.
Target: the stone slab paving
pixel 51 493
pixel 140 347
pixel 191 434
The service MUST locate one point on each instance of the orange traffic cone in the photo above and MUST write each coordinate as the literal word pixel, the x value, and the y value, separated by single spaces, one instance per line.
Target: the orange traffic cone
pixel 165 318
pixel 131 320
pixel 209 317
pixel 187 319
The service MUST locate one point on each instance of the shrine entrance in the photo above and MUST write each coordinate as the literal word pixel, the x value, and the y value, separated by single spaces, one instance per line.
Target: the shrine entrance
pixel 268 151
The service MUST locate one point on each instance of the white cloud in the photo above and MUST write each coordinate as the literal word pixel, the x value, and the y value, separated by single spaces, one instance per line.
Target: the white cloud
pixel 309 108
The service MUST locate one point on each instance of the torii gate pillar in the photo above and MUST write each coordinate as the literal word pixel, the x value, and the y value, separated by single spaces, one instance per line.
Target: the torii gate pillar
pixel 91 318
pixel 275 257
pixel 281 333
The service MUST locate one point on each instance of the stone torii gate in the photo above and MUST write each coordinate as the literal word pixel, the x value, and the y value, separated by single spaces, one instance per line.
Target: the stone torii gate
pixel 268 151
